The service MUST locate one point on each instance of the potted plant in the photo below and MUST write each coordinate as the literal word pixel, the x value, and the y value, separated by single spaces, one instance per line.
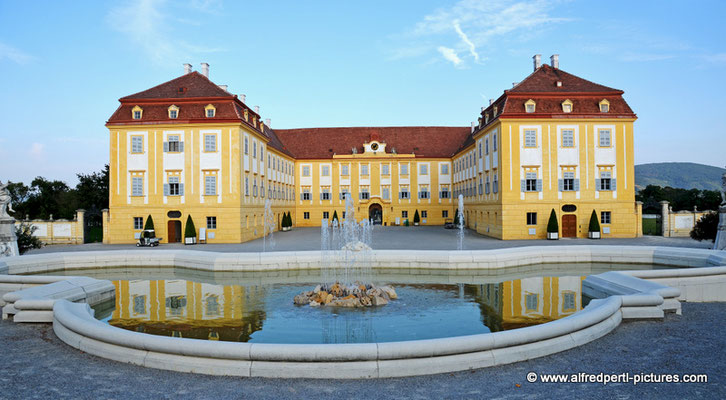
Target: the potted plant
pixel 594 229
pixel 190 232
pixel 553 228
pixel 335 217
pixel 416 218
pixel 286 222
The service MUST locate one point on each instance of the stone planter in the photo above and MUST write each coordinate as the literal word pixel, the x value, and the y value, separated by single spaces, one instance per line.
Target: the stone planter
pixel 286 228
pixel 190 240
pixel 415 224
pixel 553 235
pixel 593 235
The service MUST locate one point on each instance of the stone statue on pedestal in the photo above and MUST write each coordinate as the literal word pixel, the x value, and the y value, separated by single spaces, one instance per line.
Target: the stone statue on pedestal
pixel 8 240
pixel 720 242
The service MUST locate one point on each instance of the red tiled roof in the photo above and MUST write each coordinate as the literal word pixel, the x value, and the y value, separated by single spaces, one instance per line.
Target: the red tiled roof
pixel 424 141
pixel 188 112
pixel 581 106
pixel 275 142
pixel 187 86
pixel 545 79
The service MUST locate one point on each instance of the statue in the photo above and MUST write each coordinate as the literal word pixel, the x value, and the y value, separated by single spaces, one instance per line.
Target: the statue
pixel 723 189
pixel 5 200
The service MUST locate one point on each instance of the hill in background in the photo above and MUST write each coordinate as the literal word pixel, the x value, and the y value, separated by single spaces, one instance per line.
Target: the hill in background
pixel 678 175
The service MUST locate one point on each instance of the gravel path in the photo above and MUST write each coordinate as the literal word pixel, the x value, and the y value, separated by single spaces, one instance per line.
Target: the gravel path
pixel 38 365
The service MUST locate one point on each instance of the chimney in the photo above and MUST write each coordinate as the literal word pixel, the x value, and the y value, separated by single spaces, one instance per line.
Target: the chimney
pixel 515 84
pixel 491 101
pixel 473 127
pixel 243 98
pixel 537 61
pixel 205 69
pixel 187 68
pixel 257 110
pixel 483 108
pixel 555 61
pixel 268 122
pixel 223 87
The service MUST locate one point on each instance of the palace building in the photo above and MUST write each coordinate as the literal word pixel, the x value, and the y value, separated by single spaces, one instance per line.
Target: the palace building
pixel 554 141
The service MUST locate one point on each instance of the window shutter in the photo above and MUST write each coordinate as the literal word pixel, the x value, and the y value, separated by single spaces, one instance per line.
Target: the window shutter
pixel 612 185
pixel 166 147
pixel 524 185
pixel 181 189
pixel 597 184
pixel 577 185
pixel 539 185
pixel 181 147
pixel 166 189
pixel 561 185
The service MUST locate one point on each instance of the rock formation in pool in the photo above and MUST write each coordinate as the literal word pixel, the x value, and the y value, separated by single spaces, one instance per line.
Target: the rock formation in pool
pixel 337 295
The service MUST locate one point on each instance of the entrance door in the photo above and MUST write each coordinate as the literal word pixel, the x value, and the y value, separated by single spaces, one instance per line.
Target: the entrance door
pixel 569 225
pixel 375 213
pixel 174 231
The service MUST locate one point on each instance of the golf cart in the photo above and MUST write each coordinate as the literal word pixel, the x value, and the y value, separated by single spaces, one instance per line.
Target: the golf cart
pixel 449 223
pixel 148 238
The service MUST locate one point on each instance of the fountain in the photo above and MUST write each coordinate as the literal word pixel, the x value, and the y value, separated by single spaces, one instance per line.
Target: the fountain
pixel 346 265
pixel 268 226
pixel 460 216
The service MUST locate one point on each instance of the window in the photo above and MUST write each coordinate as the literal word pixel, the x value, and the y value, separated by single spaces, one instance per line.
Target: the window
pixel 530 138
pixel 529 106
pixel 247 145
pixel 138 223
pixel 604 106
pixel 481 187
pixel 262 187
pixel 306 195
pixel 531 301
pixel 445 194
pixel 326 214
pixel 495 185
pixel 210 185
pixel 386 193
pixel 137 114
pixel 424 193
pixel 605 217
pixel 385 169
pixel 364 169
pixel 325 171
pixel 605 181
pixel 424 214
pixel 137 186
pixel 486 186
pixel 210 143
pixel 568 181
pixel 445 214
pixel 343 193
pixel 444 169
pixel 325 195
pixel 211 222
pixel 404 169
pixel 494 142
pixel 212 305
pixel 404 214
pixel 424 169
pixel 480 153
pixel 567 106
pixel 344 170
pixel 364 194
pixel 604 135
pixel 530 182
pixel 173 112
pixel 254 149
pixel 486 147
pixel 247 186
pixel 137 144
pixel 254 188
pixel 306 215
pixel 568 301
pixel 173 186
pixel 210 111
pixel 531 218
pixel 139 305
pixel 174 144
pixel 404 194
pixel 568 138
pixel 262 154
pixel 306 170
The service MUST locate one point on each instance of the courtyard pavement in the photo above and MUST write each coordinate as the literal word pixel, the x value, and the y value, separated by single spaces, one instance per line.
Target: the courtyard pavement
pixel 36 364
pixel 389 237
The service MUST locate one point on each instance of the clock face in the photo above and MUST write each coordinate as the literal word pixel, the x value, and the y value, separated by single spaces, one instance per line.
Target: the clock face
pixel 374 146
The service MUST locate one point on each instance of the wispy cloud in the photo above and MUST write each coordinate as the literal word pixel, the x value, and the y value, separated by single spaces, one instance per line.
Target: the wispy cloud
pixel 478 24
pixel 150 25
pixel 37 150
pixel 14 55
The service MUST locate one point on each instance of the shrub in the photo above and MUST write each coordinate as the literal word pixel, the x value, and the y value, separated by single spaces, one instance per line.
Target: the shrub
pixel 456 217
pixel 189 229
pixel 416 218
pixel 552 225
pixel 149 223
pixel 706 228
pixel 26 240
pixel 594 222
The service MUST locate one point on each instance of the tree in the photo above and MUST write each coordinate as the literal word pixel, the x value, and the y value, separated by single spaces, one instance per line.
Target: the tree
pixel 26 240
pixel 552 225
pixel 92 189
pixel 594 223
pixel 149 223
pixel 335 215
pixel 706 228
pixel 679 199
pixel 51 198
pixel 190 231
pixel 456 217
pixel 416 218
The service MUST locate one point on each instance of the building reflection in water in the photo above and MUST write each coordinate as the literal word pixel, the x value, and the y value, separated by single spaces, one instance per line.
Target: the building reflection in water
pixel 189 309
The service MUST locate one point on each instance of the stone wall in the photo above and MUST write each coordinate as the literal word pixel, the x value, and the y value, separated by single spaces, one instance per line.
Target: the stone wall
pixel 679 223
pixel 59 231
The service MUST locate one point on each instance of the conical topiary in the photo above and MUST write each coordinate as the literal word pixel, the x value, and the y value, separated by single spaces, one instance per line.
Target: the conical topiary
pixel 594 223
pixel 335 215
pixel 190 231
pixel 149 223
pixel 416 218
pixel 552 225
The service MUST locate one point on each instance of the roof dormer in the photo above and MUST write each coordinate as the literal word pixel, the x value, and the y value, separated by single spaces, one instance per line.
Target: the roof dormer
pixel 604 106
pixel 529 106
pixel 136 112
pixel 173 112
pixel 210 111
pixel 567 106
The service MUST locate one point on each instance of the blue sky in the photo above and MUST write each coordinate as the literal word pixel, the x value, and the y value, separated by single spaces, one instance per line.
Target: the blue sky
pixel 335 63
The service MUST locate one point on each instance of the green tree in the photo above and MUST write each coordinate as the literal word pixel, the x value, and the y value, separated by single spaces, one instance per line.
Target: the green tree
pixel 26 240
pixel 189 229
pixel 594 223
pixel 552 225
pixel 92 189
pixel 416 218
pixel 149 223
pixel 706 228
pixel 335 216
pixel 456 217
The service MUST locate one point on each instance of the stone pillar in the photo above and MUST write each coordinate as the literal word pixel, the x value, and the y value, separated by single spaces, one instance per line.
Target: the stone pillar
pixel 106 222
pixel 720 242
pixel 665 219
pixel 8 240
pixel 638 219
pixel 80 236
